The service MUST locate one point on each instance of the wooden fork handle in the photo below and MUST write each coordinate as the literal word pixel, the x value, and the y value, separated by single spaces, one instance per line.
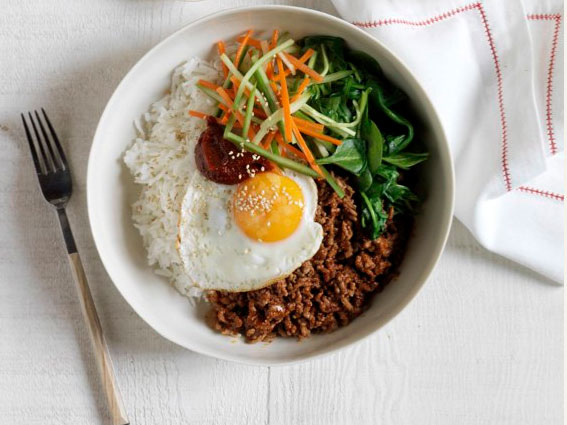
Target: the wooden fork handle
pixel 115 404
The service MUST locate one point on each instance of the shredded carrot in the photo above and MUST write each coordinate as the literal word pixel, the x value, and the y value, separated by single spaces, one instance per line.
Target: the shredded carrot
pixel 304 68
pixel 270 66
pixel 251 41
pixel 284 96
pixel 308 155
pixel 222 49
pixel 241 47
pixel 268 140
pixel 289 147
pixel 277 69
pixel 287 64
pixel 304 58
pixel 274 41
pixel 300 89
pixel 301 123
pixel 264 46
pixel 203 116
pixel 275 88
pixel 239 117
pixel 198 114
pixel 270 70
pixel 281 145
pixel 226 113
pixel 317 135
pixel 207 84
pixel 251 133
pixel 308 53
pixel 225 96
pixel 235 81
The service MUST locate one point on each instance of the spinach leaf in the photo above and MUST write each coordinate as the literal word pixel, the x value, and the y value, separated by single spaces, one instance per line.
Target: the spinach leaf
pixel 406 160
pixel 375 142
pixel 393 141
pixel 393 96
pixel 334 107
pixel 401 197
pixel 376 154
pixel 377 189
pixel 373 72
pixel 335 48
pixel 388 173
pixel 385 186
pixel 365 62
pixel 384 178
pixel 350 155
pixel 365 180
pixel 374 217
pixel 378 100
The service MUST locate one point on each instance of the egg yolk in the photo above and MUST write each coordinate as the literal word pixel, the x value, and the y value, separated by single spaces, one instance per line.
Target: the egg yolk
pixel 268 207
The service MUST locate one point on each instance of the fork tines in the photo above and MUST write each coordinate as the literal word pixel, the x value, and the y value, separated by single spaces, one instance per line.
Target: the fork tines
pixel 46 150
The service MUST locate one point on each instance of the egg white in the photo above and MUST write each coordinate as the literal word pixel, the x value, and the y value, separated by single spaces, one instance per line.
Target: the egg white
pixel 216 254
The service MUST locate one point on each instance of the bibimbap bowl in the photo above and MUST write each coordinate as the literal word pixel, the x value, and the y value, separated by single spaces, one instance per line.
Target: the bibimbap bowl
pixel 111 191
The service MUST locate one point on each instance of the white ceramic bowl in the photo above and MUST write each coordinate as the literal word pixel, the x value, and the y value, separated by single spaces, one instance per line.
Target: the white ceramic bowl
pixel 110 190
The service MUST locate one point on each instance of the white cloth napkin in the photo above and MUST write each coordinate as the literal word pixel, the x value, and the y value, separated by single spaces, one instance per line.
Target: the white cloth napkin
pixel 494 71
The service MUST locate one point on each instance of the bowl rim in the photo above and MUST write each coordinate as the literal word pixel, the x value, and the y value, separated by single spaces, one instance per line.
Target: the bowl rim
pixel 442 140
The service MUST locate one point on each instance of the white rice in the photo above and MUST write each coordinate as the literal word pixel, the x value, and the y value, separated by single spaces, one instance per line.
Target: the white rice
pixel 161 159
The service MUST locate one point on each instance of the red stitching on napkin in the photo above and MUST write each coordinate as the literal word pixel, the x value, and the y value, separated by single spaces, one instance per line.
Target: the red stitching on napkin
pixel 442 17
pixel 435 19
pixel 543 193
pixel 549 89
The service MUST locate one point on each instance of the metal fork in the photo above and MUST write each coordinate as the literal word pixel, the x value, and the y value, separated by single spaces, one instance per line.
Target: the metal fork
pixel 54 176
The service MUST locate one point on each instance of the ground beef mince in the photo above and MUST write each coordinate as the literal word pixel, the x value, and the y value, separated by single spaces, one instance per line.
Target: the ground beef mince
pixel 326 292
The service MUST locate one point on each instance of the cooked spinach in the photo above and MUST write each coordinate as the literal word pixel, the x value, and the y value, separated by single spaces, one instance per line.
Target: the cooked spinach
pixel 375 141
pixel 367 113
pixel 350 155
pixel 374 217
pixel 405 160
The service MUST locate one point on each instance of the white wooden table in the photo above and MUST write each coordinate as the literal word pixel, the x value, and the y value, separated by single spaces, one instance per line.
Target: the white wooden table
pixel 481 344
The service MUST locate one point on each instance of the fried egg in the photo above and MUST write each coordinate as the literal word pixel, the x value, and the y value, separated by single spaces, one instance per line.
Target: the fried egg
pixel 246 236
